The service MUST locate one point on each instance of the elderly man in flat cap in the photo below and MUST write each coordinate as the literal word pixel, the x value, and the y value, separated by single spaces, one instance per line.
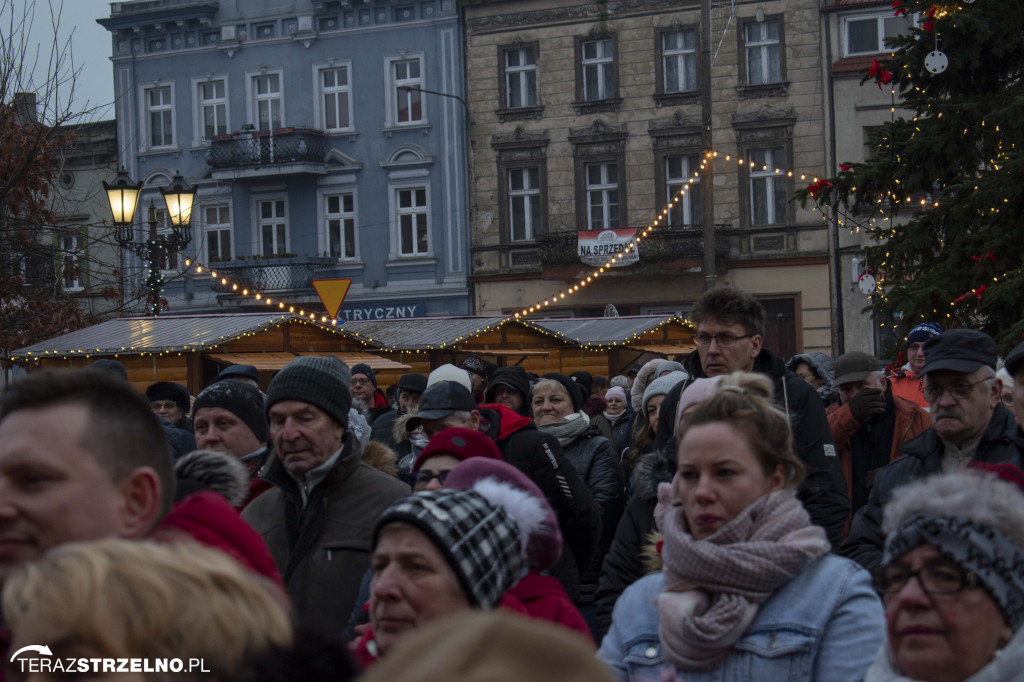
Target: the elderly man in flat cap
pixel 318 520
pixel 969 424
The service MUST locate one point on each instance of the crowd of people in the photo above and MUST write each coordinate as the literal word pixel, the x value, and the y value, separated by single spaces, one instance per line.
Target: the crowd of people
pixel 727 515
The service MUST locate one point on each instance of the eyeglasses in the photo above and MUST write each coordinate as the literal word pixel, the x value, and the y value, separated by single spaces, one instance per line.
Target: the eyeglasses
pixel 163 405
pixel 422 478
pixel 962 389
pixel 723 340
pixel 360 382
pixel 941 578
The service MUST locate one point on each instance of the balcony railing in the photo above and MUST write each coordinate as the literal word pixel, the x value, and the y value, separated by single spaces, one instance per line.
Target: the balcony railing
pixel 271 274
pixel 264 148
pixel 663 245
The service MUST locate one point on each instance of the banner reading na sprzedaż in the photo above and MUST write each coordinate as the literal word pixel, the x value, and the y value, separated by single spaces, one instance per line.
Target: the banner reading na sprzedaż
pixel 597 246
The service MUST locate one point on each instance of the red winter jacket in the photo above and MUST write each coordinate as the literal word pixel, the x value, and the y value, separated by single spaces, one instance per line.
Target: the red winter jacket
pixel 545 599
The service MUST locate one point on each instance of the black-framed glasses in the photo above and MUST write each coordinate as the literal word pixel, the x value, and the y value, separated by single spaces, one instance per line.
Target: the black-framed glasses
pixel 960 389
pixel 162 405
pixel 940 578
pixel 422 478
pixel 723 340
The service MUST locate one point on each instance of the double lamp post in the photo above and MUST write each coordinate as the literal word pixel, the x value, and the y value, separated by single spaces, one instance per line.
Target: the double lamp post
pixel 123 196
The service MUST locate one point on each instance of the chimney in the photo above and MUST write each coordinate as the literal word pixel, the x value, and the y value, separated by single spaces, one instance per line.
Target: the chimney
pixel 25 106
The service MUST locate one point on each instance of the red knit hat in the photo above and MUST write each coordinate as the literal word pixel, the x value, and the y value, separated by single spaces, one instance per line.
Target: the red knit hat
pixel 459 443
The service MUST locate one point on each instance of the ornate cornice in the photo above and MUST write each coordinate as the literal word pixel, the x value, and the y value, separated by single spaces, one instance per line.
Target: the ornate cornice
pixel 584 12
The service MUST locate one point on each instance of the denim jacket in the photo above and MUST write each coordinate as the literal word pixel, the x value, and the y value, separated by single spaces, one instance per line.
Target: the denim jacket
pixel 824 625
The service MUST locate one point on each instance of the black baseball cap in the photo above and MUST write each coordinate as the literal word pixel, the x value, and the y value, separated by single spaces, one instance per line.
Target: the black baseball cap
pixel 440 400
pixel 959 350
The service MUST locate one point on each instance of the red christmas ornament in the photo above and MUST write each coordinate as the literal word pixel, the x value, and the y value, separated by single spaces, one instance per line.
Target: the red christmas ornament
pixel 879 74
pixel 901 11
pixel 845 166
pixel 818 186
pixel 929 25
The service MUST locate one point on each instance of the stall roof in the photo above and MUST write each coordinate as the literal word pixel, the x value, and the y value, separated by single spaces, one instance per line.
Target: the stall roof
pixel 421 333
pixel 276 361
pixel 602 331
pixel 169 333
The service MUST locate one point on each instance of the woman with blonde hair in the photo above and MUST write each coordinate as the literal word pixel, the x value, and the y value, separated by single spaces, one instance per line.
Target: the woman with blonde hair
pixel 143 600
pixel 749 590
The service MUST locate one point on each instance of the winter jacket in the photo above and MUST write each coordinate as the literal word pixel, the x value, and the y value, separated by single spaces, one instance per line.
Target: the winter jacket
pixel 181 441
pixel 540 457
pixel 622 565
pixel 380 406
pixel 604 427
pixel 622 432
pixel 1002 441
pixel 544 598
pixel 823 492
pixel 591 454
pixel 910 422
pixel 515 377
pixel 907 385
pixel 826 624
pixel 824 367
pixel 323 549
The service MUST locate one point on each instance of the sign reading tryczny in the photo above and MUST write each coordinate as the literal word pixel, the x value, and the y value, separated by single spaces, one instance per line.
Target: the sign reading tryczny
pixel 45 662
pixel 597 246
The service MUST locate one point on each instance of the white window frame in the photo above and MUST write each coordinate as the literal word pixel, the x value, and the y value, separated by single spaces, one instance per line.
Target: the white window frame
pixel 199 121
pixel 218 227
pixel 605 65
pixel 529 196
pixel 252 106
pixel 396 217
pixel 393 97
pixel 681 56
pixel 764 46
pixel 520 73
pixel 673 184
pixel 604 187
pixel 147 111
pixel 325 217
pixel 319 104
pixel 880 19
pixel 258 221
pixel 769 177
pixel 76 253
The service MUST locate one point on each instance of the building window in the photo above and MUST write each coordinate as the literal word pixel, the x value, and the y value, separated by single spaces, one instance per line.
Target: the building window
pixel 520 66
pixel 217 224
pixel 411 216
pixel 213 109
pixel 678 171
pixel 266 102
pixel 405 74
pixel 597 64
pixel 273 226
pixel 160 116
pixel 763 47
pixel 72 268
pixel 524 203
pixel 335 100
pixel 679 61
pixel 768 186
pixel 340 217
pixel 866 33
pixel 602 196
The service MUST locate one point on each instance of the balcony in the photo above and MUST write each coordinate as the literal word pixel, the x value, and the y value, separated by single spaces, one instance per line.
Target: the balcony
pixel 273 152
pixel 271 274
pixel 663 245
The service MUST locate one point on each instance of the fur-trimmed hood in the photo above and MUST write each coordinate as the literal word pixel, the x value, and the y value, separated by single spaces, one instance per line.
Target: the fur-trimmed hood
pixel 380 457
pixel 653 468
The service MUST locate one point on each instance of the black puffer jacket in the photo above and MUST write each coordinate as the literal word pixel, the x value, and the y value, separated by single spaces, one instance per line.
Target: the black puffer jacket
pixel 823 492
pixel 622 566
pixel 591 454
pixel 1001 442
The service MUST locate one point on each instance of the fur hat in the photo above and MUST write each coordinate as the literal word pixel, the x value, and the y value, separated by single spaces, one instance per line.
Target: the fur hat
pixel 320 381
pixel 216 471
pixel 168 390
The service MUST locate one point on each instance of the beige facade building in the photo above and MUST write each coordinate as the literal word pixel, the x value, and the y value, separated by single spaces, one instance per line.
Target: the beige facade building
pixel 587 117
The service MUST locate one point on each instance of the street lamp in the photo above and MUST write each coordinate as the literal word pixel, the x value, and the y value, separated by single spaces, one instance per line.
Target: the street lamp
pixel 123 196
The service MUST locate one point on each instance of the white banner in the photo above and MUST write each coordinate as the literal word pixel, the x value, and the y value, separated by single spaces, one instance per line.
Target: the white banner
pixel 596 247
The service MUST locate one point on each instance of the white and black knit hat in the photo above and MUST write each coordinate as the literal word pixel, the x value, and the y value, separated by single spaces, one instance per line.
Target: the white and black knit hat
pixel 483 543
pixel 321 381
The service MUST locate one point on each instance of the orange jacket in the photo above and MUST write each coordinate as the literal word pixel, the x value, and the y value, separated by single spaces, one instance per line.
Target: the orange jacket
pixel 910 421
pixel 907 385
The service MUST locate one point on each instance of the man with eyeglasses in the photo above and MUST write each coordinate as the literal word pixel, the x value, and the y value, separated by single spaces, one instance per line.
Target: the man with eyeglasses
pixel 906 381
pixel 969 424
pixel 730 332
pixel 366 394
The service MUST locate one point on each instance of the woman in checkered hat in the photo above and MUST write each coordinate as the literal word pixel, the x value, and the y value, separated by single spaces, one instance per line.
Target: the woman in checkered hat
pixel 748 589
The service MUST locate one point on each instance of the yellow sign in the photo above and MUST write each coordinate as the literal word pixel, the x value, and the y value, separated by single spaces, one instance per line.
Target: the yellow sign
pixel 332 293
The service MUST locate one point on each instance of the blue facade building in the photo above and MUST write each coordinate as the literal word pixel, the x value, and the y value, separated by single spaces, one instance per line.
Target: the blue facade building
pixel 313 144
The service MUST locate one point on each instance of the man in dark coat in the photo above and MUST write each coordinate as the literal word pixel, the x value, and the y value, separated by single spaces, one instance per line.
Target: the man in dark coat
pixel 365 392
pixel 410 387
pixel 969 424
pixel 510 386
pixel 730 329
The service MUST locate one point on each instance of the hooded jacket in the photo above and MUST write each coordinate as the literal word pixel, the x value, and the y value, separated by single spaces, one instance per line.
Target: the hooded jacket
pixel 824 366
pixel 541 458
pixel 823 492
pixel 514 377
pixel 323 548
pixel 1002 441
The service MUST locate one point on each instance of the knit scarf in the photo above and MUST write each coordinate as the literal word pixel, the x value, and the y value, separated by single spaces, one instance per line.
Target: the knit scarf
pixel 613 418
pixel 568 429
pixel 714 587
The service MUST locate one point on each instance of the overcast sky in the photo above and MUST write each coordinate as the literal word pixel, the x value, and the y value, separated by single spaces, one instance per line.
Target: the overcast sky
pixel 90 47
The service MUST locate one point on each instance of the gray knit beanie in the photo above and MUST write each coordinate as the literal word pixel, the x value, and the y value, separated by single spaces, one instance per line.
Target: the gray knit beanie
pixel 661 386
pixel 320 381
